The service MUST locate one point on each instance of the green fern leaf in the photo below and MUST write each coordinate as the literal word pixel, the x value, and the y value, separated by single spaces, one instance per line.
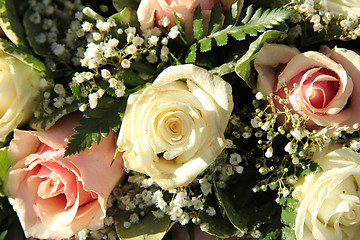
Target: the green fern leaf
pixel 215 19
pixel 198 28
pixel 249 12
pixel 205 44
pixel 96 124
pixel 221 39
pixel 240 35
pixel 180 29
pixel 191 57
pixel 232 16
pixel 252 24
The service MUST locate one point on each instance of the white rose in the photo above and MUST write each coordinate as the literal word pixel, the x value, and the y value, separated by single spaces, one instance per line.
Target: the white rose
pixel 19 88
pixel 330 200
pixel 174 129
pixel 345 7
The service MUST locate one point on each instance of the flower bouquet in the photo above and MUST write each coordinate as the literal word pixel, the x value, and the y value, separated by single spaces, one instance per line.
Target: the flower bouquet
pixel 179 119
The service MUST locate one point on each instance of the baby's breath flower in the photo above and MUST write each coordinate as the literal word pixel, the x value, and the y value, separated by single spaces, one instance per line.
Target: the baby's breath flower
pixel 106 74
pixel 164 21
pixel 174 32
pixel 125 63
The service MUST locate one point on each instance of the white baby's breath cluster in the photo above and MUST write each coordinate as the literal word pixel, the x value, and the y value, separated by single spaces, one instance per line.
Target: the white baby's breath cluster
pixel 59 22
pixel 140 195
pixel 107 58
pixel 55 26
pixel 340 25
pixel 285 131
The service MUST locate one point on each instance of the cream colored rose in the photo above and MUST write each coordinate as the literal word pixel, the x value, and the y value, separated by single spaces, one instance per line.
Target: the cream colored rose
pixel 345 7
pixel 174 129
pixel 325 85
pixel 329 207
pixel 19 88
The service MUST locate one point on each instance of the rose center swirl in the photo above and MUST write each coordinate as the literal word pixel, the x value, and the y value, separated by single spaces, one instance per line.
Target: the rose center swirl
pixel 320 87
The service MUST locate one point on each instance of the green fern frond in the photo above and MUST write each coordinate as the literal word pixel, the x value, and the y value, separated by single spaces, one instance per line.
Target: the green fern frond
pixel 252 24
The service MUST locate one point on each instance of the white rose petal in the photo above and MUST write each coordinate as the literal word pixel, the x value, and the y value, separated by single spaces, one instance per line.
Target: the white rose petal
pixel 329 201
pixel 19 89
pixel 174 129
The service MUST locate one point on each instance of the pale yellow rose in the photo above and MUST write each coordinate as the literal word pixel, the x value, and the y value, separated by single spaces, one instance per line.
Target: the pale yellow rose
pixel 19 90
pixel 174 129
pixel 344 7
pixel 329 201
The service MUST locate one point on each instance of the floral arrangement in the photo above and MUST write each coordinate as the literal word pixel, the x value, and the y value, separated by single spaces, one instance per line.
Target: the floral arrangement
pixel 179 119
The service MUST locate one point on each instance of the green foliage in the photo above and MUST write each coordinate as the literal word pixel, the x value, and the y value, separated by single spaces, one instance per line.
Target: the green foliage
pixel 97 123
pixel 310 167
pixel 148 228
pixel 11 23
pixel 3 235
pixel 126 17
pixel 288 233
pixel 24 56
pixel 243 66
pixel 198 28
pixel 252 24
pixel 180 29
pixel 10 227
pixel 46 121
pixel 120 5
pixel 219 225
pixel 4 165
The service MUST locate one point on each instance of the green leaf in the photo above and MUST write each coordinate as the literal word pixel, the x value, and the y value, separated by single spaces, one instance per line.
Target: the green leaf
pixel 11 23
pixel 310 168
pixel 215 18
pixel 221 38
pixel 248 14
pixel 98 122
pixel 288 215
pixel 76 91
pixel 3 235
pixel 4 165
pixel 191 56
pixel 119 5
pixel 91 16
pixel 132 78
pixel 237 216
pixel 180 29
pixel 145 68
pixel 198 27
pixel 232 15
pixel 239 35
pixel 46 121
pixel 243 67
pixel 219 225
pixel 288 233
pixel 33 30
pixel 9 221
pixel 22 55
pixel 148 228
pixel 258 23
pixel 205 44
pixel 126 17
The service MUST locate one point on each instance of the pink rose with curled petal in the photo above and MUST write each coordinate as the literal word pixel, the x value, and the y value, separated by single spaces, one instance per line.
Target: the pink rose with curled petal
pixel 150 12
pixel 324 85
pixel 55 196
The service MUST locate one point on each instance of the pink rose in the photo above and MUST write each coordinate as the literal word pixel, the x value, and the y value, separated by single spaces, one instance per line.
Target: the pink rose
pixel 151 11
pixel 327 83
pixel 56 197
